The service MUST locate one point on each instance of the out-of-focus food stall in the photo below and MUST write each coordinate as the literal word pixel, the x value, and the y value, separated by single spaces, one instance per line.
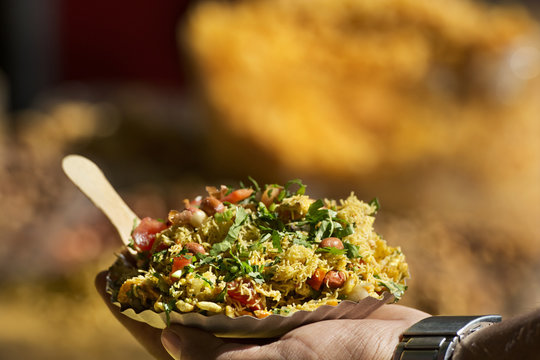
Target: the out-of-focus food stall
pixel 431 108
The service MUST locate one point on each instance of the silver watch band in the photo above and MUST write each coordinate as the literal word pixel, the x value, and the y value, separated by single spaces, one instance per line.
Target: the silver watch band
pixel 436 337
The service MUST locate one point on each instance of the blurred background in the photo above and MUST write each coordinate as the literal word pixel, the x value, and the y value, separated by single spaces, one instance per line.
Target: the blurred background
pixel 433 107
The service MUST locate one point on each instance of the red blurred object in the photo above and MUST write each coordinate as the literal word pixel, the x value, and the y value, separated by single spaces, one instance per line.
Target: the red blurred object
pixel 122 40
pixel 144 234
pixel 180 262
pixel 316 280
pixel 251 301
pixel 237 195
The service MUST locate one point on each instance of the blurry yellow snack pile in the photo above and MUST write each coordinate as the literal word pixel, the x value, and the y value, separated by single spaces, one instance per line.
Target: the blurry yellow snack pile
pixel 386 83
pixel 258 252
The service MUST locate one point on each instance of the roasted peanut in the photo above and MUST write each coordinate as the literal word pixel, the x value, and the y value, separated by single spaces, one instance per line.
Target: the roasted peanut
pixel 332 242
pixel 195 248
pixel 210 205
pixel 334 279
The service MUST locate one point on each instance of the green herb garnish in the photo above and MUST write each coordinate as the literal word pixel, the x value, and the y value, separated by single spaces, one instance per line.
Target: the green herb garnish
pixel 245 268
pixel 376 204
pixel 276 240
pixel 395 288
pixel 352 250
pixel 209 282
pixel 232 234
pixel 301 187
pixel 256 187
pixel 331 250
pixel 221 295
pixel 225 216
pixel 169 307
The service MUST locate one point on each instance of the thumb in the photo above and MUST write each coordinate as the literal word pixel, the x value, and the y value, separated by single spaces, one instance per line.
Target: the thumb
pixel 188 343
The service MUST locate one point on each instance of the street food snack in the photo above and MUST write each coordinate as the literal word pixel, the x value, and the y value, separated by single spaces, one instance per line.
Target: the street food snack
pixel 257 252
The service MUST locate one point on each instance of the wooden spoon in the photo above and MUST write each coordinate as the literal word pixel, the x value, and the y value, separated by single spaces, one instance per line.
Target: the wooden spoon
pixel 91 181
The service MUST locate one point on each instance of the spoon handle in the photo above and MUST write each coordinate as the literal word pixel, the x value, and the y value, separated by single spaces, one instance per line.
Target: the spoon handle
pixel 91 181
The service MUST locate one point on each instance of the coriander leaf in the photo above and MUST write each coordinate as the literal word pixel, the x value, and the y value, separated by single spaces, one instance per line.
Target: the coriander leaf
pixel 256 276
pixel 204 279
pixel 314 208
pixel 276 241
pixel 255 185
pixel 247 269
pixel 281 196
pixel 257 245
pixel 221 295
pixel 267 221
pixel 225 216
pixel 376 204
pixel 331 250
pixel 244 265
pixel 395 289
pixel 352 250
pixel 324 229
pixel 206 259
pixel 220 247
pixel 232 234
pixel 302 241
pixel 264 214
pixel 159 256
pixel 301 187
pixel 162 284
pixel 168 307
pixel 344 231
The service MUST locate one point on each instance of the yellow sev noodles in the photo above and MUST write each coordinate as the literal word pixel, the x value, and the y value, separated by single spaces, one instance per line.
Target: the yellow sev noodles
pixel 257 274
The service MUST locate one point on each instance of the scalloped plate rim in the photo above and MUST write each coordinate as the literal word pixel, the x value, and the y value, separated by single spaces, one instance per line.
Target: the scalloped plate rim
pixel 223 326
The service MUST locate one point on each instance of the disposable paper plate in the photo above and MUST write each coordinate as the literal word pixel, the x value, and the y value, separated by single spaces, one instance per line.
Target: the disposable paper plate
pixel 269 327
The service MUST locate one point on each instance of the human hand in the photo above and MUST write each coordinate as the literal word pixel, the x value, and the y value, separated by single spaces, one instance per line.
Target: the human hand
pixel 372 338
pixel 148 336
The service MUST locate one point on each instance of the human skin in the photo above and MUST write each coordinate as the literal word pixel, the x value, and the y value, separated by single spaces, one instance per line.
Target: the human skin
pixel 372 338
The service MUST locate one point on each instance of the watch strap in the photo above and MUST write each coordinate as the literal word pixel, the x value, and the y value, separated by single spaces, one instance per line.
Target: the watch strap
pixel 435 337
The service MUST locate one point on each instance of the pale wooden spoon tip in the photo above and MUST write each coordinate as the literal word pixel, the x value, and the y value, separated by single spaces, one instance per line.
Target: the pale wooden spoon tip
pixel 92 182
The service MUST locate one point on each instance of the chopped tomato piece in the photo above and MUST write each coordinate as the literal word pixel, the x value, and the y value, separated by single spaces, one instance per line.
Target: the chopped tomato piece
pixel 251 301
pixel 144 234
pixel 237 195
pixel 316 280
pixel 181 262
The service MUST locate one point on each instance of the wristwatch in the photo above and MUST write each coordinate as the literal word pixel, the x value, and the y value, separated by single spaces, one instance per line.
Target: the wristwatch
pixel 436 337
